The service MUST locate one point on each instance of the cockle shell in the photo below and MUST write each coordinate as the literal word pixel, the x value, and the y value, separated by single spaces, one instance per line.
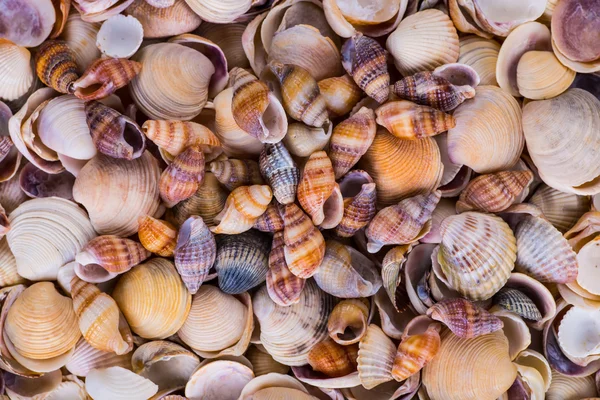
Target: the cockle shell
pixel 270 220
pixel 168 21
pixel 104 76
pixel 80 36
pixel 86 358
pixel 341 94
pixel 284 288
pixel 263 363
pixel 39 16
pixel 100 321
pixel 55 65
pixel 376 354
pixel 138 292
pixel 157 236
pixel 280 171
pixel 181 179
pixel 194 253
pixel 346 18
pixel 408 120
pixel 120 36
pixel 218 379
pixel 415 351
pixel 348 321
pixel 15 70
pixel 243 207
pixel 561 209
pixel 302 140
pixel 464 319
pixel 118 383
pixel 333 359
pixel 481 54
pixel 403 223
pixel 473 266
pixel 316 185
pixel 234 173
pixel 494 192
pixel 359 207
pixel 516 301
pixel 541 76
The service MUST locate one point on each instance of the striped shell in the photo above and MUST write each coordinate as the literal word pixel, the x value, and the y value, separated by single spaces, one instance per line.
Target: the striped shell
pixel 516 301
pixel 408 120
pixel 415 351
pixel 376 354
pixel 194 253
pixel 283 287
pixel 481 54
pixel 561 209
pixel 348 321
pixel 55 65
pixel 243 207
pixel 333 359
pixel 157 236
pixel 181 179
pixel 359 208
pixel 316 185
pixel 341 94
pixel 270 220
pixel 104 77
pixel 116 255
pixel 176 136
pixel 280 171
pixel 464 319
pixel 234 173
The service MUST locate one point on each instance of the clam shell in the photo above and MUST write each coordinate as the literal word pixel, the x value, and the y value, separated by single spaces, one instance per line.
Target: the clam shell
pixel 541 76
pixel 234 173
pixel 516 301
pixel 346 18
pixel 481 54
pixel 567 387
pixel 577 335
pixel 375 357
pixel 15 70
pixel 119 384
pixel 243 207
pixel 172 20
pixel 109 74
pixel 316 185
pixel 272 385
pixel 220 379
pixel 263 363
pixel 561 209
pixel 284 288
pixel 96 11
pixel 120 36
pixel 157 236
pixel 280 171
pixel 138 292
pixel 86 358
pixel 423 41
pixel 351 139
pixel 515 329
pixel 219 12
pixel 181 179
pixel 229 39
pixel 464 319
pixel 348 321
pixel 8 266
pixel 55 65
pixel 40 18
pixel 270 220
pixel 130 188
pixel 175 136
pixel 80 36
pixel 494 192
pixel 302 140
pixel 415 351
pixel 340 93
pixel 407 120
pixel 571 25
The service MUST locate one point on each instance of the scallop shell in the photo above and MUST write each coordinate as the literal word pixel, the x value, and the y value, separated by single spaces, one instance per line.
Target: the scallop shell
pixel 130 188
pixel 494 192
pixel 181 179
pixel 541 76
pixel 153 299
pixel 423 41
pixel 478 270
pixel 243 207
pixel 103 77
pixel 284 288
pixel 415 351
pixel 348 321
pixel 488 135
pixel 234 173
pixel 120 36
pixel 86 358
pixel 220 12
pixel 561 209
pixel 280 171
pixel 172 20
pixel 407 120
pixel 516 301
pixel 80 36
pixel 15 70
pixel 302 140
pixel 263 363
pixel 481 54
pixel 464 319
pixel 376 354
pixel 157 236
pixel 341 94
pixel 118 384
pixel 55 65
pixel 333 359
pixel 218 379
pixel 175 136
pixel 270 220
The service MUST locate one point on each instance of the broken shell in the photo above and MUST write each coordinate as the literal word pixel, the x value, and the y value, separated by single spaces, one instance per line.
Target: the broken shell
pixel 280 171
pixel 561 209
pixel 302 140
pixel 167 21
pixel 408 120
pixel 481 54
pixel 541 76
pixel 464 319
pixel 176 136
pixel 283 287
pixel 15 70
pixel 494 192
pixel 55 65
pixel 235 173
pixel 316 185
pixel 359 208
pixel 118 383
pixel 37 183
pixel 584 230
pixel 219 379
pixel 341 94
pixel 194 253
pixel 137 292
pixel 373 19
pixel 157 236
pixel 38 17
pixel 403 223
pixel 333 359
pixel 80 37
pixel 270 220
pixel 104 77
pixel 181 179
pixel 391 268
pixel 263 363
pixel 415 351
pixel 348 321
pixel 587 261
pixel 516 301
pixel 577 335
pixel 96 11
pixel 376 354
pixel 538 293
pixel 86 358
pixel 120 36
pixel 243 207
pixel 423 41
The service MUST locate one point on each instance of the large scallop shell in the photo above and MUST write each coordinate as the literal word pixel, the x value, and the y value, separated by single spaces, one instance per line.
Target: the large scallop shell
pixel 15 70
pixel 168 21
pixel 375 357
pixel 481 54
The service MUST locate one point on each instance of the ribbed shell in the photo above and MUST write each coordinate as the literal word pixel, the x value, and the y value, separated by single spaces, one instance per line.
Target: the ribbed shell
pixel 243 207
pixel 157 236
pixel 85 358
pixel 168 21
pixel 242 261
pixel 289 333
pixel 112 253
pixel 15 70
pixel 104 77
pixel 480 54
pixel 280 171
pixel 153 299
pixel 55 65
pixel 316 185
pixel 464 319
pixel 283 287
pixel 543 253
pixel 358 211
pixel 118 383
pixel 348 321
pixel 561 209
pixel 516 301
pixel 270 220
pixel 391 268
pixel 194 253
pixel 414 352
pixel 229 39
pixel 541 76
pixel 81 38
pixel 477 253
pixel 234 173
pixel 375 357
pixel 8 266
pixel 408 120
pixel 181 179
pixel 176 136
pixel 341 94
pixel 333 359
pixel 351 139
pixel 493 192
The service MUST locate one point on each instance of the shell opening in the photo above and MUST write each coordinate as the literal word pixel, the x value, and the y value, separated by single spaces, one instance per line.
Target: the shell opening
pixel 133 137
pixel 272 123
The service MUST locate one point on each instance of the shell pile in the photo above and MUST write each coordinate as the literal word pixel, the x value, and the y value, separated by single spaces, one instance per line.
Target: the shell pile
pixel 299 199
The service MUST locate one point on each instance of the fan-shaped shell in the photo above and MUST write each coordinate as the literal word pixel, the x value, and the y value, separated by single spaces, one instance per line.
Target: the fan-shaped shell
pixel 219 379
pixel 376 353
pixel 481 54
pixel 219 12
pixel 86 358
pixel 541 76
pixel 263 363
pixel 117 383
pixel 8 266
pixel 568 387
pixel 243 207
pixel 561 209
pixel 15 70
pixel 173 20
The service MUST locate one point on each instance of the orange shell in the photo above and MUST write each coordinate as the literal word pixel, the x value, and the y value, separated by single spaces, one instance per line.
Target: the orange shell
pixel 157 236
pixel 408 120
pixel 464 319
pixel 243 207
pixel 235 173
pixel 181 179
pixel 55 65
pixel 332 359
pixel 341 94
pixel 416 351
pixel 104 77
pixel 176 136
pixel 316 185
pixel 284 288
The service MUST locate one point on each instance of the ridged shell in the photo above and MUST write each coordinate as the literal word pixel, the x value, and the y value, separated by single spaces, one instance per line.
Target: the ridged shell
pixel 80 36
pixel 168 21
pixel 516 301
pixel 316 185
pixel 117 192
pixel 104 77
pixel 481 54
pixel 415 351
pixel 302 140
pixel 157 236
pixel 55 65
pixel 100 321
pixel 284 288
pixel 464 319
pixel 194 253
pixel 118 383
pixel 423 41
pixel 385 161
pixel 263 363
pixel 403 223
pixel 561 209
pixel 45 234
pixel 477 253
pixel 220 12
pixel 219 379
pixel 289 333
pixel 270 220
pixel 8 266
pixel 153 299
pixel 175 136
pixel 114 254
pixel 341 94
pixel 182 178
pixel 444 376
pixel 243 207
pixel 359 210
pixel 234 173
pixel 375 357
pixel 568 387
pixel 494 192
pixel 541 76
pixel 229 39
pixel 242 261
pixel 348 321
pixel 280 171
pixel 576 324
pixel 333 359
pixel 11 195
pixel 552 261
pixel 408 120
pixel 86 358
pixel 15 70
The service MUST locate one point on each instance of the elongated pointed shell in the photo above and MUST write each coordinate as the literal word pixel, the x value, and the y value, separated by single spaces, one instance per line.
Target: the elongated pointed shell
pixel 15 70
pixel 55 66
pixel 375 357
pixel 181 179
pixel 351 139
pixel 283 287
pixel 195 252
pixel 415 351
pixel 243 207
pixel 358 211
pixel 493 192
pixel 444 376
pixel 86 358
pixel 561 209
pixel 348 321
pixel 119 384
pixel 157 236
pixel 104 77
pixel 153 299
pixel 316 185
pixel 175 136
pixel 280 171
pixel 341 94
pixel 464 319
pixel 100 321
pixel 477 254
pixel 408 120
pixel 235 173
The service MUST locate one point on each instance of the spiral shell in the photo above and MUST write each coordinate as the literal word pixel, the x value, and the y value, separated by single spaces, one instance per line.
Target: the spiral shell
pixel 104 77
pixel 359 210
pixel 348 321
pixel 270 220
pixel 157 236
pixel 181 179
pixel 284 288
pixel 407 120
pixel 316 185
pixel 415 351
pixel 15 70
pixel 341 94
pixel 302 140
pixel 175 136
pixel 235 173
pixel 116 255
pixel 464 319
pixel 280 171
pixel 55 65
pixel 243 207
pixel 376 354
pixel 333 359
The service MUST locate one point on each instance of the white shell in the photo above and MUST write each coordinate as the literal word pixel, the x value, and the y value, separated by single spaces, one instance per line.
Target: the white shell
pixel 120 36
pixel 579 335
pixel 116 383
pixel 216 380
pixel 16 75
pixel 81 39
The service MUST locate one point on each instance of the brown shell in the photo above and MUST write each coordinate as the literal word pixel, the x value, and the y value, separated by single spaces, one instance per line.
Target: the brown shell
pixel 316 185
pixel 341 94
pixel 234 173
pixel 284 288
pixel 408 120
pixel 415 351
pixel 270 220
pixel 464 319
pixel 176 136
pixel 280 172
pixel 55 65
pixel 358 211
pixel 113 253
pixel 157 236
pixel 181 179
pixel 332 359
pixel 104 77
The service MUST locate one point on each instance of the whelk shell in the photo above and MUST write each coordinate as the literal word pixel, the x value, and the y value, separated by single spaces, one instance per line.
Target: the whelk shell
pixel 104 76
pixel 332 359
pixel 55 66
pixel 360 197
pixel 464 319
pixel 270 220
pixel 157 236
pixel 341 94
pixel 316 185
pixel 408 120
pixel 175 136
pixel 415 351
pixel 348 321
pixel 243 207
pixel 234 173
pixel 283 287
pixel 15 70
pixel 280 171
pixel 181 179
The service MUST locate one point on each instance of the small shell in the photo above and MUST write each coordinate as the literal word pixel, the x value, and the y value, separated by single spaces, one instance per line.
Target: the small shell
pixel 376 354
pixel 195 252
pixel 243 207
pixel 494 192
pixel 15 70
pixel 280 171
pixel 415 351
pixel 561 209
pixel 302 140
pixel 348 321
pixel 283 287
pixel 481 54
pixel 256 109
pixel 270 220
pixel 316 185
pixel 120 36
pixel 235 173
pixel 181 179
pixel 86 358
pixel 351 139
pixel 341 94
pixel 168 21
pixel 263 363
pixel 175 136
pixel 408 120
pixel 116 383
pixel 516 301
pixel 423 41
pixel 358 211
pixel 332 359
pixel 229 39
pixel 219 379
pixel 55 65
pixel 541 76
pixel 432 90
pixel 242 261
pixel 365 60
pixel 114 254
pixel 157 236
pixel 104 76
pixel 391 268
pixel 100 321
pixel 403 223
pixel 464 319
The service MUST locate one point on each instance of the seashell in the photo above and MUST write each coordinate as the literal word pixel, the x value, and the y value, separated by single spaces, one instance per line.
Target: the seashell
pixel 391 268
pixel 348 321
pixel 289 333
pixel 256 110
pixel 561 209
pixel 541 76
pixel 218 379
pixel 165 363
pixel 8 266
pixel 175 136
pixel 538 293
pixel 106 186
pixel 516 301
pixel 494 192
pixel 458 358
pixel 376 354
pixel 86 358
pixel 243 207
pixel 229 39
pixel 568 387
pixel 270 220
pixel 444 208
pixel 341 94
pixel 235 173
pixel 45 234
pixel 415 351
pixel 555 261
pixel 40 308
pixel 263 363
pixel 586 260
pixel 80 37
pixel 476 272
pixel 315 53
pixel 177 93
pixel 395 183
pixel 423 41
pixel 11 195
pixel 137 292
pixel 359 210
pixel 119 384
pixel 208 333
pixel 194 253
pixel 403 223
pixel 333 359
pixel 100 321
pixel 220 12
pixel 365 60
pixel 481 54
pixel 167 21
pixel 464 319
pixel 316 185
pixel 429 89
pixel 242 261
pixel 371 19
pixel 491 121
pixel 120 36
pixel 572 19
pixel 302 140
pixel 515 329
pixel 55 65
pixel 104 76
pixel 583 231
pixel 280 171
pixel 21 386
pixel 283 287
pixel 458 74
pixel 577 335
pixel 39 16
pixel 407 120
pixel 10 157
pixel 157 236
pixel 15 70
pixel 346 273
pixel 96 11
pixel 181 179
